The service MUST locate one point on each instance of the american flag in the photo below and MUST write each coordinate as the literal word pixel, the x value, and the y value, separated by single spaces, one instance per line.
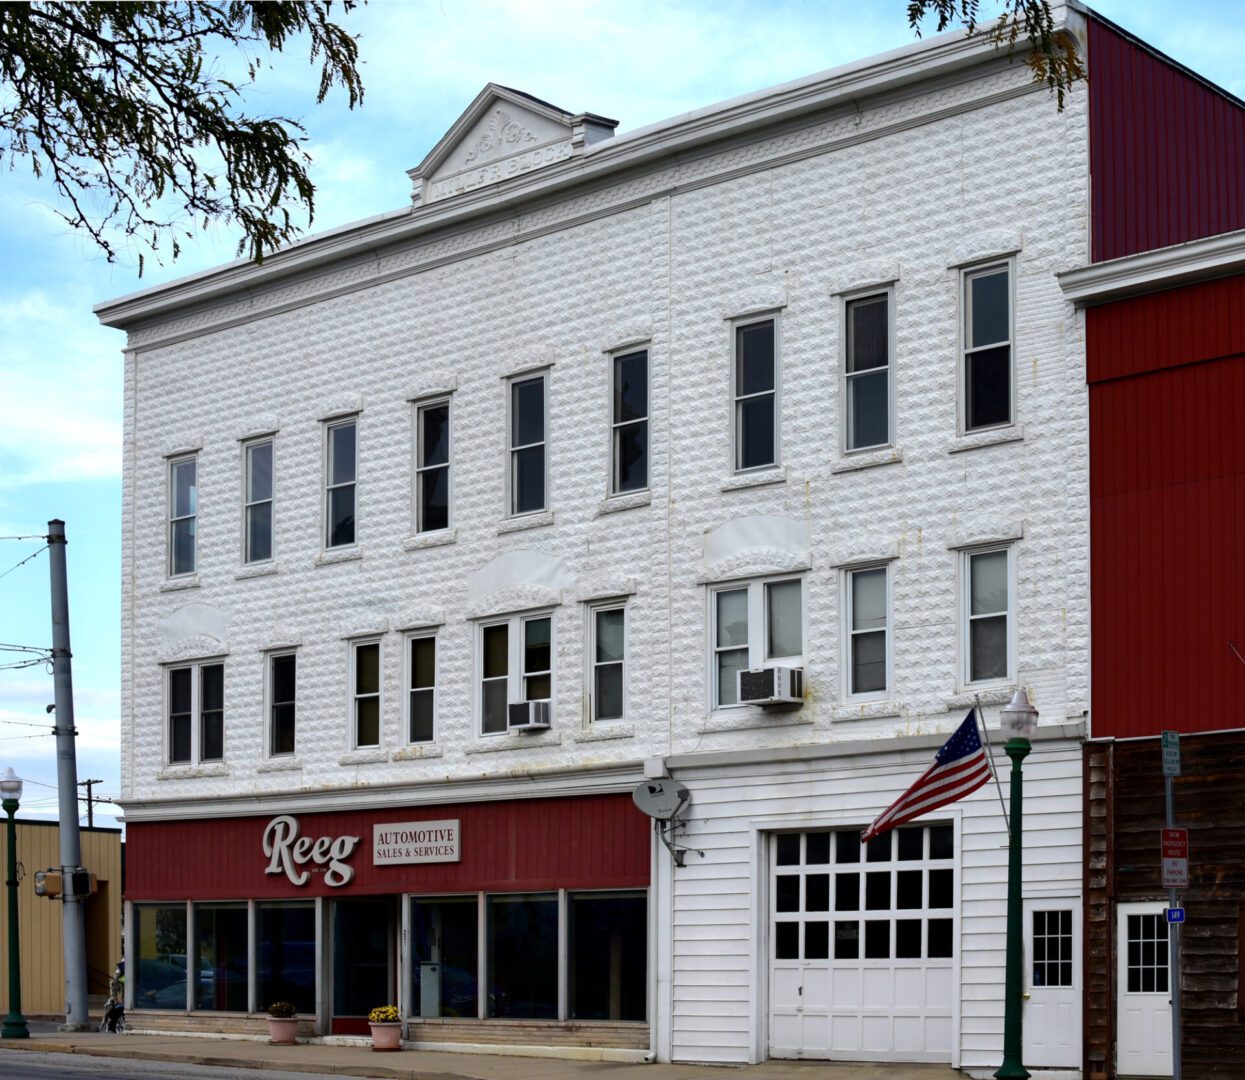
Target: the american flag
pixel 959 767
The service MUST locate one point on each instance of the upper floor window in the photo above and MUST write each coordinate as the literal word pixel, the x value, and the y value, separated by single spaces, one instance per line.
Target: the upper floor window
pixel 340 483
pixel 607 681
pixel 755 392
pixel 867 373
pixel 868 618
pixel 516 665
pixel 196 703
pixel 988 618
pixel 629 437
pixel 183 513
pixel 528 465
pixel 257 526
pixel 365 692
pixel 281 701
pixel 421 706
pixel 760 624
pixel 432 466
pixel 987 376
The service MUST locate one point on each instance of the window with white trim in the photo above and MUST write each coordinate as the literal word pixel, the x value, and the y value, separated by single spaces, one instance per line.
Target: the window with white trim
pixel 607 685
pixel 867 373
pixel 282 671
pixel 340 482
pixel 365 686
pixel 432 466
pixel 421 688
pixel 183 515
pixel 987 615
pixel 629 453
pixel 868 632
pixel 757 624
pixel 987 336
pixel 516 664
pixel 528 459
pixel 196 712
pixel 755 392
pixel 257 510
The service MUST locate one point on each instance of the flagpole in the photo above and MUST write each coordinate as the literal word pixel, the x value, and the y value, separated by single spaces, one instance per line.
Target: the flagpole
pixel 981 720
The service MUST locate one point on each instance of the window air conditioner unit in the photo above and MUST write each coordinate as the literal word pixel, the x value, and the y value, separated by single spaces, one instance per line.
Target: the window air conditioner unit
pixel 772 686
pixel 528 716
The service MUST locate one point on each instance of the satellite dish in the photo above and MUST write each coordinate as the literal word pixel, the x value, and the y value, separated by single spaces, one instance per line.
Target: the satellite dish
pixel 661 799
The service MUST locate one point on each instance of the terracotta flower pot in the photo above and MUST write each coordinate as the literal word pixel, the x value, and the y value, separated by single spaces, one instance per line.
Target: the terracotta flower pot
pixel 282 1030
pixel 386 1036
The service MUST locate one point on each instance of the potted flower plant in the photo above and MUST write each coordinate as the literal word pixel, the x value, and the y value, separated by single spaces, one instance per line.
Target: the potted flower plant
pixel 386 1024
pixel 282 1023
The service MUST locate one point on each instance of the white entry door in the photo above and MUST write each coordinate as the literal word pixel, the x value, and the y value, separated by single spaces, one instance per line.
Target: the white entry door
pixel 1052 1013
pixel 1143 1030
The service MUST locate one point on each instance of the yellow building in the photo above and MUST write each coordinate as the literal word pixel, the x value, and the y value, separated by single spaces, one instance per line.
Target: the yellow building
pixel 39 918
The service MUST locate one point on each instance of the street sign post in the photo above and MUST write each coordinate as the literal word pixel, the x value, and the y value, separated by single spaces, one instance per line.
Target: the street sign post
pixel 1175 849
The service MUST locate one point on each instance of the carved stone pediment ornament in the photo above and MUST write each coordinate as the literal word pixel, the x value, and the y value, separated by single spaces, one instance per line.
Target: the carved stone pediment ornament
pixel 515 598
pixel 502 131
pixel 193 648
pixel 756 562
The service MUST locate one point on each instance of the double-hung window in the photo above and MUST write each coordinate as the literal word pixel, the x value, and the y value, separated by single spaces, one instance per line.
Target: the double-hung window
pixel 516 665
pixel 183 514
pixel 196 711
pixel 528 464
pixel 755 391
pixel 988 620
pixel 987 376
pixel 421 692
pixel 608 652
pixel 432 466
pixel 868 632
pixel 340 483
pixel 365 692
pixel 629 423
pixel 257 513
pixel 282 668
pixel 867 373
pixel 758 624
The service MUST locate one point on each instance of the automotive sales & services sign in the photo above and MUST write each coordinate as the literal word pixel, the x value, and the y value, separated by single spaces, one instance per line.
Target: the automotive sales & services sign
pixel 396 842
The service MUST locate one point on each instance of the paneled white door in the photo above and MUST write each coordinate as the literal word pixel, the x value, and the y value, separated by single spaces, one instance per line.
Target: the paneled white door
pixel 1143 1029
pixel 1052 1011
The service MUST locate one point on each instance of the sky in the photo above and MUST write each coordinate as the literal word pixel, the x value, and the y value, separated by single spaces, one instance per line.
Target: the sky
pixel 423 61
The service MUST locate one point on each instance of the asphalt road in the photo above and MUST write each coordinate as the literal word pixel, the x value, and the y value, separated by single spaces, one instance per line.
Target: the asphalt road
pixel 24 1065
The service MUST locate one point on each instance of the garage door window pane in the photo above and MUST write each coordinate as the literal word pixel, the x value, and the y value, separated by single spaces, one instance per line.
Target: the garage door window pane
pixel 816 941
pixel 907 938
pixel 787 896
pixel 877 940
pixel 939 938
pixel 786 941
pixel 847 941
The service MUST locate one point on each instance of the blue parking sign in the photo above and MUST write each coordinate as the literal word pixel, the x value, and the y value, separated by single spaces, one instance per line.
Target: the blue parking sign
pixel 1174 914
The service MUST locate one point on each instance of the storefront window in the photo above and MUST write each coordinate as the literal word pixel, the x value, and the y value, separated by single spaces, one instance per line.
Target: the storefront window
pixel 285 954
pixel 160 975
pixel 220 949
pixel 608 953
pixel 361 956
pixel 445 939
pixel 523 956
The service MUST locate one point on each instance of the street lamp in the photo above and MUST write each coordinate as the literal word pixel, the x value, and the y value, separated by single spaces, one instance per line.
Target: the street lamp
pixel 15 1023
pixel 1018 719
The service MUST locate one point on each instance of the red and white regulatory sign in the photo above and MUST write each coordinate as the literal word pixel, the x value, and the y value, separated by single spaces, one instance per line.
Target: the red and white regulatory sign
pixel 1175 858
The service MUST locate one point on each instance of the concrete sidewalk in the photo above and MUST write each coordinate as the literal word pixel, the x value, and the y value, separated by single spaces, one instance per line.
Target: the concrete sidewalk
pixel 359 1060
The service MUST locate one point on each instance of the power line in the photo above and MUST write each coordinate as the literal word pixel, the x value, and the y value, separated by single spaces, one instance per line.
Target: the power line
pixel 24 723
pixel 32 536
pixel 17 665
pixel 32 555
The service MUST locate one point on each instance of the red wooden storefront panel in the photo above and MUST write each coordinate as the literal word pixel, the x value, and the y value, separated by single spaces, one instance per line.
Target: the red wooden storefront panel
pixel 598 841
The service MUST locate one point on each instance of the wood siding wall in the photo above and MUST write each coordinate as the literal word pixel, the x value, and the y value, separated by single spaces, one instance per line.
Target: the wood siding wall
pixel 1124 813
pixel 39 919
pixel 1167 150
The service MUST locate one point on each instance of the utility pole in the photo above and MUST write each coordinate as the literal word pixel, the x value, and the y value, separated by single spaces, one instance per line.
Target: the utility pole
pixel 76 883
pixel 90 802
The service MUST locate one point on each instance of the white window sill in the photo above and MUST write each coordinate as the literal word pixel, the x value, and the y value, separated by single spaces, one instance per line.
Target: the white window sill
pixel 430 539
pixel 987 695
pixel 492 744
pixel 190 581
pixel 867 710
pixel 760 478
pixel 868 460
pixel 339 555
pixel 256 570
pixel 417 752
pixel 755 719
pixel 370 755
pixel 994 437
pixel 603 730
pixel 192 772
pixel 527 521
pixel 625 502
pixel 280 764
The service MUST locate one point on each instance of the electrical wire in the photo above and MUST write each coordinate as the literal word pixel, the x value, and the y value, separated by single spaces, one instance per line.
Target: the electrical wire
pixel 32 555
pixel 32 536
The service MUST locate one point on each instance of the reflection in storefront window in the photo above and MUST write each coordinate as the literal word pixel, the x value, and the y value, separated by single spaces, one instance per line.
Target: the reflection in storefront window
pixel 523 956
pixel 608 952
pixel 445 939
pixel 220 949
pixel 285 954
pixel 160 975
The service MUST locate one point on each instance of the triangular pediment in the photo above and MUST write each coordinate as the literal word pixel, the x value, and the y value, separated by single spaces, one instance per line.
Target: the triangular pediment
pixel 503 133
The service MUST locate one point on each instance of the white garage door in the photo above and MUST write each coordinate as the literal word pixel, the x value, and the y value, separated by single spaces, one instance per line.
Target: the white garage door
pixel 860 944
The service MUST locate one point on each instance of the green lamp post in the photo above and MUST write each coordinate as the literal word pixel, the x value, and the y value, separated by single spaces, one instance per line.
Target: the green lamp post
pixel 15 1023
pixel 1018 720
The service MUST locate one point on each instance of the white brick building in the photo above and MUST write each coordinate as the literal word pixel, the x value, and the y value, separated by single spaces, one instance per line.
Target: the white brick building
pixel 345 665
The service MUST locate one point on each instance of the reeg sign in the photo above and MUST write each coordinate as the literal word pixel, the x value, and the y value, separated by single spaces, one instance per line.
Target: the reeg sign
pixel 401 842
pixel 289 853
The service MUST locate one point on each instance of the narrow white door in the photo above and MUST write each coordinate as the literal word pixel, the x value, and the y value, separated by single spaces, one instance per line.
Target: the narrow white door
pixel 1143 1030
pixel 1052 1012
